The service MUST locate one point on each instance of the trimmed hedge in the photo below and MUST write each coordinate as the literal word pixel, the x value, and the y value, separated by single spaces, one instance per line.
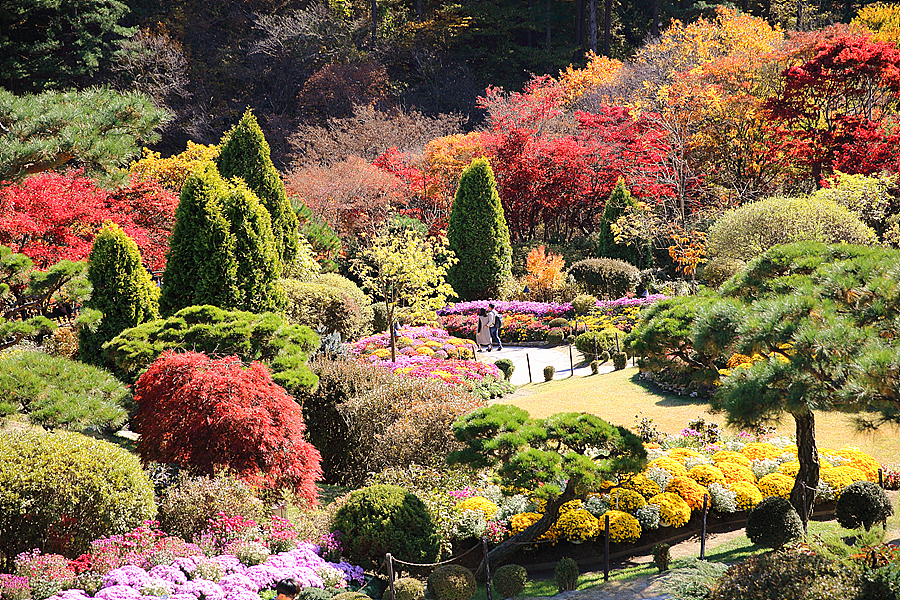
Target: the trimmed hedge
pixel 606 278
pixel 59 491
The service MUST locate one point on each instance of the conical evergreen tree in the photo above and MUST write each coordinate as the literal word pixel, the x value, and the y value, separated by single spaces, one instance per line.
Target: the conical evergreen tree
pixel 619 200
pixel 258 264
pixel 245 153
pixel 479 236
pixel 200 265
pixel 122 291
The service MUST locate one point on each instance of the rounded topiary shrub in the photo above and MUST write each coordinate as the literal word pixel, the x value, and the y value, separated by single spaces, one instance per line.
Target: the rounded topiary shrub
pixel 595 367
pixel 566 573
pixel 606 278
pixel 314 593
pixel 549 372
pixel 620 359
pixel 407 588
pixel 773 523
pixel 451 582
pixel 510 580
pixel 555 336
pixel 593 343
pixel 350 596
pixel 558 322
pixel 379 519
pixel 862 504
pixel 506 366
pixel 583 304
pixel 59 491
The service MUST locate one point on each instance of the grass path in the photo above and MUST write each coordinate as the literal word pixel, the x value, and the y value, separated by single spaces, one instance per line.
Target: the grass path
pixel 620 396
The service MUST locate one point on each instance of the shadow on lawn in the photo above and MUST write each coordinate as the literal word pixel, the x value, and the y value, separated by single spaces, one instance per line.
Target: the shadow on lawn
pixel 667 398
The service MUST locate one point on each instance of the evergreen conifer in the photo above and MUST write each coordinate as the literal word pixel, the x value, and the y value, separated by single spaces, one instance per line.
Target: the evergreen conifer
pixel 122 291
pixel 478 235
pixel 258 264
pixel 245 153
pixel 619 200
pixel 200 266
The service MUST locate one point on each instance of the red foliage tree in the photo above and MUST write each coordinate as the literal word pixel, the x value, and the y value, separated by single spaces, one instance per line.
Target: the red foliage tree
pixel 424 196
pixel 51 217
pixel 208 414
pixel 838 110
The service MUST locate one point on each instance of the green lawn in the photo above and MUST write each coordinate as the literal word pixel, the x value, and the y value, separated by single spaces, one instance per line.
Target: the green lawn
pixel 620 396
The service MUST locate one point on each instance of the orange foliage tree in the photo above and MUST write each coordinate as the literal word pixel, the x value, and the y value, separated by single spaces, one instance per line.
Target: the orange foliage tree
pixel 544 273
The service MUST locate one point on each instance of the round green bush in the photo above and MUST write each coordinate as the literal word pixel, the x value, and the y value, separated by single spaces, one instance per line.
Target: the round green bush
pixel 379 519
pixel 407 588
pixel 451 582
pixel 583 304
pixel 350 596
pixel 595 367
pixel 593 343
pixel 862 504
pixel 566 573
pixel 330 301
pixel 510 580
pixel 749 230
pixel 313 593
pixel 773 523
pixel 718 270
pixel 549 372
pixel 558 322
pixel 555 336
pixel 787 574
pixel 619 360
pixel 59 491
pixel 506 366
pixel 606 278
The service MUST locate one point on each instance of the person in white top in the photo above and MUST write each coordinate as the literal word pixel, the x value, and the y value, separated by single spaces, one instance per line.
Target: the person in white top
pixel 495 322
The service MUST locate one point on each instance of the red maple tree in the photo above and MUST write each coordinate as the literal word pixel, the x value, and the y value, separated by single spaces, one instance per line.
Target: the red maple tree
pixel 51 217
pixel 838 110
pixel 208 414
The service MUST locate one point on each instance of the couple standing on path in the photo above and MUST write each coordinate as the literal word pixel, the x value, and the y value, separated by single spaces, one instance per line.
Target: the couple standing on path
pixel 488 329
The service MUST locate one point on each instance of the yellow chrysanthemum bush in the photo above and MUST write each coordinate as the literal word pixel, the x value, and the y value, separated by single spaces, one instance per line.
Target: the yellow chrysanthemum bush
pixel 673 510
pixel 626 500
pixel 837 478
pixel 691 491
pixel 622 526
pixel 776 484
pixel 683 454
pixel 482 505
pixel 674 468
pixel 862 461
pixel 578 525
pixel 522 521
pixel 728 456
pixel 747 495
pixel 706 474
pixel 734 472
pixel 761 451
pixel 640 484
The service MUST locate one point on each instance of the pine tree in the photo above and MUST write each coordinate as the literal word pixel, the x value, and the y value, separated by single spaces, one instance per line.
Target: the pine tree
pixel 245 153
pixel 258 264
pixel 478 235
pixel 619 200
pixel 122 291
pixel 200 266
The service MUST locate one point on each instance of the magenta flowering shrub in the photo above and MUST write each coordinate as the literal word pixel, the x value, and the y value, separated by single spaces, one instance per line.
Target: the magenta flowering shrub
pixel 144 546
pixel 182 580
pixel 14 587
pixel 430 342
pixel 538 309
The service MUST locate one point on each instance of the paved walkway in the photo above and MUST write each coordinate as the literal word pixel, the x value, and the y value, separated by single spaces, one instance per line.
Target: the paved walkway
pixel 540 357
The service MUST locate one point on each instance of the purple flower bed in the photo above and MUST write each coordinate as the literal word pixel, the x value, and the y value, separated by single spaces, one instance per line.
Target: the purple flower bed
pixel 539 309
pixel 638 301
pixel 242 582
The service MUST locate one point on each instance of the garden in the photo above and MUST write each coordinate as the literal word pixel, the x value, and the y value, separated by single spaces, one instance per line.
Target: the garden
pixel 236 371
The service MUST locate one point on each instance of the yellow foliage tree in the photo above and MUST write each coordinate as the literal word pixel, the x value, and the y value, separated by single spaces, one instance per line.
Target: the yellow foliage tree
pixel 172 172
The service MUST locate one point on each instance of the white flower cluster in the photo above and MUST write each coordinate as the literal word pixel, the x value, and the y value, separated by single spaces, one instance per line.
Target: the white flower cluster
pixel 734 445
pixel 723 499
pixel 763 466
pixel 690 463
pixel 511 505
pixel 660 476
pixel 648 516
pixel 654 453
pixel 596 505
pixel 471 523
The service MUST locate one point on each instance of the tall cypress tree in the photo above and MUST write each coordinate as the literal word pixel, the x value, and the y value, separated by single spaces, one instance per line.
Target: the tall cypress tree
pixel 200 265
pixel 479 236
pixel 123 291
pixel 245 153
pixel 258 264
pixel 619 200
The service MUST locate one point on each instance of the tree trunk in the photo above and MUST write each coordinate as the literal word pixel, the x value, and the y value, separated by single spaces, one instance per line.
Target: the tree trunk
pixel 799 15
pixel 808 455
pixel 420 10
pixel 654 26
pixel 498 555
pixel 593 25
pixel 548 25
pixel 579 23
pixel 607 28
